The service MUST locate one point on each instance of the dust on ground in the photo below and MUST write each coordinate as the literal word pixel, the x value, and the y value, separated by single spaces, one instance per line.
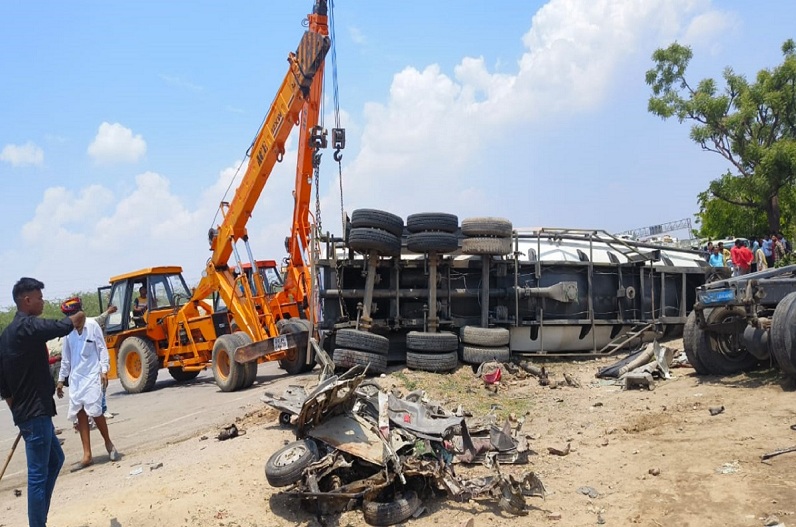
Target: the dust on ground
pixel 647 458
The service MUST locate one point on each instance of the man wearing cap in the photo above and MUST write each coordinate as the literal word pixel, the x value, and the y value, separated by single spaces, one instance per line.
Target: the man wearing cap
pixel 27 387
pixel 85 361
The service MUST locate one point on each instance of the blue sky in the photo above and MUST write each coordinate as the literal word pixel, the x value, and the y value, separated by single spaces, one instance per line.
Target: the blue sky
pixel 122 123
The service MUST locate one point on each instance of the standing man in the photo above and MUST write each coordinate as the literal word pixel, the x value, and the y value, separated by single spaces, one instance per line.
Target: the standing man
pixel 742 258
pixel 27 386
pixel 768 250
pixel 85 361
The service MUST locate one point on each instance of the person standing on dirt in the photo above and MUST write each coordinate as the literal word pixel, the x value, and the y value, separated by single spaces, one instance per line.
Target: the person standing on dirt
pixel 27 386
pixel 716 258
pixel 768 250
pixel 742 258
pixel 86 362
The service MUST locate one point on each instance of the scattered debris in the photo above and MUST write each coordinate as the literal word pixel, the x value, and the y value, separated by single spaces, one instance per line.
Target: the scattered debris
pixel 732 467
pixel 771 521
pixel 559 452
pixel 716 410
pixel 655 471
pixel 781 451
pixel 639 380
pixel 589 491
pixel 136 471
pixel 155 466
pixel 229 432
pixel 17 493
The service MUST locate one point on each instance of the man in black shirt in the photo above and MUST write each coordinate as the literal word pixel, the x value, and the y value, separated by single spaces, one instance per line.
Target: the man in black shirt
pixel 28 388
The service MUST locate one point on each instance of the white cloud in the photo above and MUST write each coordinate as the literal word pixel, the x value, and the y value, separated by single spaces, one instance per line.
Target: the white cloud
pixel 356 35
pixel 28 154
pixel 116 144
pixel 179 82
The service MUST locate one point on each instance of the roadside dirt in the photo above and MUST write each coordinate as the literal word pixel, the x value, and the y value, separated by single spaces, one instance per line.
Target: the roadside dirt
pixel 651 458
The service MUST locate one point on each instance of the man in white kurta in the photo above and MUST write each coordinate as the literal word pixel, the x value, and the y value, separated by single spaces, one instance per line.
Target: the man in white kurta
pixel 85 361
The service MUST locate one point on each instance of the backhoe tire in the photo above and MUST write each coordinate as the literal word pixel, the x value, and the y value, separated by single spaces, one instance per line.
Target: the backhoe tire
pixel 695 338
pixel 479 336
pixel 489 227
pixel 249 368
pixel 441 342
pixel 725 354
pixel 347 358
pixel 378 219
pixel 392 512
pixel 286 465
pixel 486 246
pixel 138 365
pixel 433 362
pixel 362 340
pixel 180 375
pixel 783 334
pixel 432 221
pixel 229 375
pixel 480 354
pixel 296 360
pixel 429 241
pixel 365 240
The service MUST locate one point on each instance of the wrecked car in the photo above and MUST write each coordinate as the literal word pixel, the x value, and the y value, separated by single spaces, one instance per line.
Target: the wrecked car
pixel 358 446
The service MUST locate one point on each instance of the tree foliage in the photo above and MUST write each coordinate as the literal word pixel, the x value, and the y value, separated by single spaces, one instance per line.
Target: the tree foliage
pixel 751 125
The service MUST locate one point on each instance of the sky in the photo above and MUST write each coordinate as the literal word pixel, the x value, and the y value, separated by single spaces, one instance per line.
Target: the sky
pixel 123 124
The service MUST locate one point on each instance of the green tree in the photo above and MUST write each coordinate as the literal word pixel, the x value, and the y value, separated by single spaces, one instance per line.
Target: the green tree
pixel 751 125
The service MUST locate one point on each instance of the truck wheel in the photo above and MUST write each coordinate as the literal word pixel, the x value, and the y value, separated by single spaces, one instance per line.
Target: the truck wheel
pixel 286 465
pixel 426 242
pixel 726 355
pixel 433 362
pixel 432 221
pixel 497 227
pixel 138 365
pixel 227 373
pixel 249 368
pixel 180 375
pixel 479 336
pixel 296 360
pixel 479 354
pixel 362 340
pixel 397 510
pixel 432 342
pixel 345 358
pixel 364 239
pixel 783 334
pixel 489 246
pixel 378 219
pixel 694 339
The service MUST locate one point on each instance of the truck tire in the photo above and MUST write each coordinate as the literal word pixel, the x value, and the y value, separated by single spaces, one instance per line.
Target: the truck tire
pixel 378 219
pixel 489 227
pixel 490 337
pixel 249 368
pixel 486 246
pixel 286 465
pixel 362 340
pixel 479 354
pixel 227 373
pixel 441 342
pixel 364 239
pixel 783 334
pixel 433 362
pixel 726 355
pixel 346 358
pixel 392 512
pixel 431 241
pixel 296 360
pixel 432 221
pixel 694 339
pixel 180 375
pixel 138 365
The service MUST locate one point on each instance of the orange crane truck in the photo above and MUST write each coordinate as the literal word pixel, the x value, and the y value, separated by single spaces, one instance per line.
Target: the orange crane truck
pixel 170 325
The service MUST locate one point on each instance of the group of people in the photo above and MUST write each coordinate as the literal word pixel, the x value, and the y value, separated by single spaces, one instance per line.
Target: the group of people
pixel 743 258
pixel 28 387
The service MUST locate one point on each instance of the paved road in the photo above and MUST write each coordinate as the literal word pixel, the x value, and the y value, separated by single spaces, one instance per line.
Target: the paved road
pixel 169 413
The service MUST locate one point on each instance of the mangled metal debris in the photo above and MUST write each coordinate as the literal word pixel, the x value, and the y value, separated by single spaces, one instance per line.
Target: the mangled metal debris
pixel 358 446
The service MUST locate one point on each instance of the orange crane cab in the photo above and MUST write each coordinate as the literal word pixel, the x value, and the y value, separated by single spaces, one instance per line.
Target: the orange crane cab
pixel 262 318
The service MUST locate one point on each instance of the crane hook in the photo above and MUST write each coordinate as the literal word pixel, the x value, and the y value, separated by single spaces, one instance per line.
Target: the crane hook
pixel 337 155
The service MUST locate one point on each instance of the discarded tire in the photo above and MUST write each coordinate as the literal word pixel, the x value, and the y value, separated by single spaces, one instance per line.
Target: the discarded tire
pixel 479 354
pixel 227 373
pixel 432 221
pixel 378 219
pixel 430 241
pixel 286 465
pixel 347 358
pixel 398 510
pixel 486 246
pixel 433 362
pixel 138 365
pixel 364 239
pixel 432 342
pixel 693 339
pixel 479 336
pixel 783 334
pixel 362 341
pixel 490 227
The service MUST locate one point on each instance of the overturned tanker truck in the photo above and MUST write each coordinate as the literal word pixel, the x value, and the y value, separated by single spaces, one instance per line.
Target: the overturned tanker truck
pixel 432 291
